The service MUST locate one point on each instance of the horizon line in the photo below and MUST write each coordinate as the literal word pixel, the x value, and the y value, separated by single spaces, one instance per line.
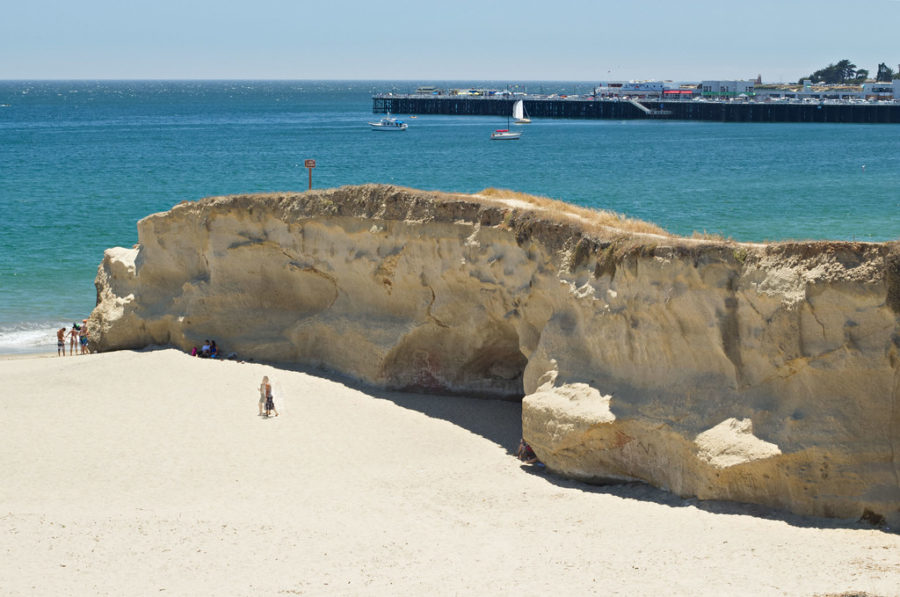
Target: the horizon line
pixel 345 80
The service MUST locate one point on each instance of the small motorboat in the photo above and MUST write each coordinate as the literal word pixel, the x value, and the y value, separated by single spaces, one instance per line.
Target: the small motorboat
pixel 388 123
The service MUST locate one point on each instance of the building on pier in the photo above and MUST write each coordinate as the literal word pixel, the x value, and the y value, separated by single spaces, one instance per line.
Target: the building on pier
pixel 726 89
pixel 631 89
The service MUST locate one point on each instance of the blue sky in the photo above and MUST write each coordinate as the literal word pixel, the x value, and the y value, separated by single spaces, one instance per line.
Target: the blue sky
pixel 459 39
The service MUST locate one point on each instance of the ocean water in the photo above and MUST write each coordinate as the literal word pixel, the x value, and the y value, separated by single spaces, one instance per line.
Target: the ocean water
pixel 81 162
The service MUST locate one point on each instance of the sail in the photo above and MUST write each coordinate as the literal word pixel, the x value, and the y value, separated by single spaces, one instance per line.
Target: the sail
pixel 519 110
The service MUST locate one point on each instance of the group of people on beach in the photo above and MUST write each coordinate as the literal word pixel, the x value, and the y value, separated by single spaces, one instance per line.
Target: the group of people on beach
pixel 208 350
pixel 78 336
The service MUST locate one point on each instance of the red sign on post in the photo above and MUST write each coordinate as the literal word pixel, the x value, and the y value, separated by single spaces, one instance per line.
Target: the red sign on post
pixel 310 164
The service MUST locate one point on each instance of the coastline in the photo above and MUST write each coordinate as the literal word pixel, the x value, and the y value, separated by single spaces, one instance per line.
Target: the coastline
pixel 353 491
pixel 33 337
pixel 15 356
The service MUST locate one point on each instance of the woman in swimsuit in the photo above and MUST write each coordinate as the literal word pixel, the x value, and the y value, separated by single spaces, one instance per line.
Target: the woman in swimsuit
pixel 73 339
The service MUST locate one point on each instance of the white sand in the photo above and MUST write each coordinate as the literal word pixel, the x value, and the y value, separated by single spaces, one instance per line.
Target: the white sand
pixel 150 474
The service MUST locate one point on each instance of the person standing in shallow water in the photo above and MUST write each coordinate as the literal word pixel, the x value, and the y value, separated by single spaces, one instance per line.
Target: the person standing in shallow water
pixel 61 342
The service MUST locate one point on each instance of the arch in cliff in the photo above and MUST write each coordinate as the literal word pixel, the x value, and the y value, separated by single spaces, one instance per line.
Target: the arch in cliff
pixel 486 361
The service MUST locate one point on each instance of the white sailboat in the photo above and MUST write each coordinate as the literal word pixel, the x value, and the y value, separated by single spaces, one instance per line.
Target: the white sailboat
pixel 505 134
pixel 518 113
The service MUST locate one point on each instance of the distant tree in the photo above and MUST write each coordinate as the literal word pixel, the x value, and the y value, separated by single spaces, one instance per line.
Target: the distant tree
pixel 885 73
pixel 841 72
pixel 861 75
pixel 847 70
pixel 829 74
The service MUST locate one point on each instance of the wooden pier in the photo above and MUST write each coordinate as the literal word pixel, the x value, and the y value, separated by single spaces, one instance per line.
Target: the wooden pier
pixel 612 109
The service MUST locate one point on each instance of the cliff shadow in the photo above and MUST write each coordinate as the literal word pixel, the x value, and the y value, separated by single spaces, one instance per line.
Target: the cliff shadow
pixel 500 421
pixel 644 492
pixel 495 419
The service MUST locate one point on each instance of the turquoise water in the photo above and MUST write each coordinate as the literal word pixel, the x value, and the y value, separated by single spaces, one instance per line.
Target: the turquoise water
pixel 81 162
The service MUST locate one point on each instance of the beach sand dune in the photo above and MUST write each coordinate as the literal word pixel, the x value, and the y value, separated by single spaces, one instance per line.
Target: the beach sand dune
pixel 138 473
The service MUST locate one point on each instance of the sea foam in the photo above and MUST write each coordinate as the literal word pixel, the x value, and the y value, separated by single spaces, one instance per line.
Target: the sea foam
pixel 29 337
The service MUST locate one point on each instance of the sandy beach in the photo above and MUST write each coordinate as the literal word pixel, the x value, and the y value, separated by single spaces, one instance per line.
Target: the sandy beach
pixel 139 473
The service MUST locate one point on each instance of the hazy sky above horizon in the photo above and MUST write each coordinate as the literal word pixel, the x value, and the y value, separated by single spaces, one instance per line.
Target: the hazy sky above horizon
pixel 527 40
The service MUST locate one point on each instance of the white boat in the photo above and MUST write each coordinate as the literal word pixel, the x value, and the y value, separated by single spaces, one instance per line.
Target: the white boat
pixel 388 123
pixel 518 113
pixel 504 135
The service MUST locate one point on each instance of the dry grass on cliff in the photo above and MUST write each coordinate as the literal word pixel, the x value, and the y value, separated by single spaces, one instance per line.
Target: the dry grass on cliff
pixel 713 236
pixel 590 218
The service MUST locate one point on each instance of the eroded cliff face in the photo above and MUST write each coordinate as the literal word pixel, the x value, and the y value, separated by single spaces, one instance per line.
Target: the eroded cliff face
pixel 758 373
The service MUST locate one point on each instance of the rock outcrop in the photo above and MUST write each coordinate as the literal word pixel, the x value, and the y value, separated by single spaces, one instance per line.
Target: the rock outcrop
pixel 759 373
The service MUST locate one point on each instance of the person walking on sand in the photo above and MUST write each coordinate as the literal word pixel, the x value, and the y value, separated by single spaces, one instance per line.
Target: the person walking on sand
pixel 262 395
pixel 61 342
pixel 265 398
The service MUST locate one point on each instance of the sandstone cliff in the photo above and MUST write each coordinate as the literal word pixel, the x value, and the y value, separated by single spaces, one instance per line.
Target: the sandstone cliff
pixel 759 373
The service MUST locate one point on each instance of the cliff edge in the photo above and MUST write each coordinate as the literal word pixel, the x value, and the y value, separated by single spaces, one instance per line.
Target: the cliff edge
pixel 759 373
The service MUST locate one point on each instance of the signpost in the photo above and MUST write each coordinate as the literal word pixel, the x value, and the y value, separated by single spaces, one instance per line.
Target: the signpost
pixel 310 164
